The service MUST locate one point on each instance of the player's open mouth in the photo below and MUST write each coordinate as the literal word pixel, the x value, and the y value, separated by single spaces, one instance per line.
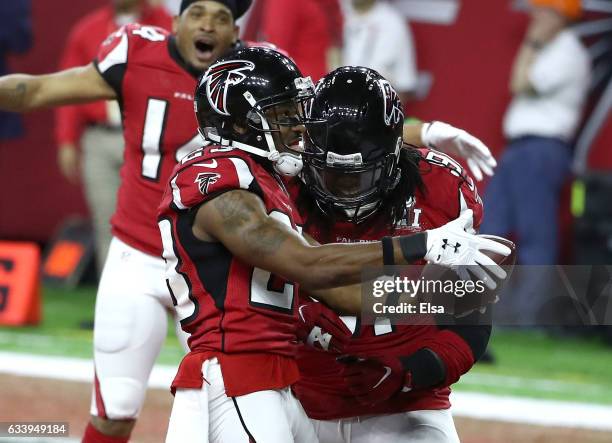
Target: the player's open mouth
pixel 204 49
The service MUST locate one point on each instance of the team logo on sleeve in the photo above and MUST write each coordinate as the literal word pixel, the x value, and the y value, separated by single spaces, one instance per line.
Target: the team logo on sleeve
pixel 205 179
pixel 220 77
pixel 393 108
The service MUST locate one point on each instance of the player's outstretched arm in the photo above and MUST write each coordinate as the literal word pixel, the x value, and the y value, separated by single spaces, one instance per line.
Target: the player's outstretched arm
pixel 23 92
pixel 238 219
pixel 453 141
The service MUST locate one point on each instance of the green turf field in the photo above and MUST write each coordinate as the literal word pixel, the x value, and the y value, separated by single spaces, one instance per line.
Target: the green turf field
pixel 528 363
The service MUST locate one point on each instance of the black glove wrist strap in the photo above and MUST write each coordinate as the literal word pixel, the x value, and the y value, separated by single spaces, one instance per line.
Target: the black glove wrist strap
pixel 426 368
pixel 414 247
pixel 388 251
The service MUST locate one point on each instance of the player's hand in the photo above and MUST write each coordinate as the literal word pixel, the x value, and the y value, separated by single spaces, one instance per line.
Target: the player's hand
pixel 452 246
pixel 68 160
pixel 321 328
pixel 373 381
pixel 457 142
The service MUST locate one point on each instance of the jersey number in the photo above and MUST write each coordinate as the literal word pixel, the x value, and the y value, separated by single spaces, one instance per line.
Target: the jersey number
pixel 177 282
pixel 149 33
pixel 268 290
pixel 153 132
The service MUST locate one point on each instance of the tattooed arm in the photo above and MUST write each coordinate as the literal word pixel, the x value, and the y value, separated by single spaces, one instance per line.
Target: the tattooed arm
pixel 22 92
pixel 238 219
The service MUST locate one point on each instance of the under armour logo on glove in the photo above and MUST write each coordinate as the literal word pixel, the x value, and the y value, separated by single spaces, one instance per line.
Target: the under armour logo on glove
pixel 451 246
pixel 456 246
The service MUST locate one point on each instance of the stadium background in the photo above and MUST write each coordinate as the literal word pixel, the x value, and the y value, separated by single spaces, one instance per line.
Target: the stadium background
pixel 470 61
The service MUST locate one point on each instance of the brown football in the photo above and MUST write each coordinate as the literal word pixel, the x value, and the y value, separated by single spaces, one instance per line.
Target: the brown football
pixel 465 304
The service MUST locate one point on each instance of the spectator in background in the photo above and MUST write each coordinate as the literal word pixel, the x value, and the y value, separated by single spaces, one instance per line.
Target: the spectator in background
pixel 378 37
pixel 97 126
pixel 549 84
pixel 301 29
pixel 15 37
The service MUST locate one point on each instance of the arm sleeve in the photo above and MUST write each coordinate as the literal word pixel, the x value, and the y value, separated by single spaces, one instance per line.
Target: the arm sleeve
pixel 460 345
pixel 208 178
pixel 470 199
pixel 111 60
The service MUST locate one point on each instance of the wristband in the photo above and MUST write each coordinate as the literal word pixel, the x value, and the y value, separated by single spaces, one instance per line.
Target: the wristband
pixel 414 247
pixel 426 368
pixel 388 251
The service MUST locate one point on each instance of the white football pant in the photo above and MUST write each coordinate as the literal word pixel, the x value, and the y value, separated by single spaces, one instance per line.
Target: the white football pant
pixel 435 426
pixel 129 330
pixel 208 415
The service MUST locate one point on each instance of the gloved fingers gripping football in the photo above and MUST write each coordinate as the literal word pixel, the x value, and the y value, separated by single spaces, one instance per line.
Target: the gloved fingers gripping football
pixel 487 263
pixel 485 244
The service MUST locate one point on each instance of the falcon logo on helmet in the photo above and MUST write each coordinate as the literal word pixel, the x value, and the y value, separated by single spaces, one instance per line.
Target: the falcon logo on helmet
pixel 393 107
pixel 205 179
pixel 220 77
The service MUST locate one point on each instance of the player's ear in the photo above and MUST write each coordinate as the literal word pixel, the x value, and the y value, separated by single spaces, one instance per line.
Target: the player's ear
pixel 236 32
pixel 175 23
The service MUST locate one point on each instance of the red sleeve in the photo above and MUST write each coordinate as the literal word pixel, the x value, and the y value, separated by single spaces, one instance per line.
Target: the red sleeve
pixel 454 351
pixel 208 178
pixel 111 59
pixel 469 199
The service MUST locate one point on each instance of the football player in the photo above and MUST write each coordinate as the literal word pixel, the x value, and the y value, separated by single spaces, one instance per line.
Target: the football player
pixel 356 176
pixel 235 255
pixel 153 75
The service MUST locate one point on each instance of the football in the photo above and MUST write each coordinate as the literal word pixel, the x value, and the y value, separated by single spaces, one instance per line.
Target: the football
pixel 466 300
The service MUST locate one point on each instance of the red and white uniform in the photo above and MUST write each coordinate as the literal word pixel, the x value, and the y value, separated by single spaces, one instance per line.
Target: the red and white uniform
pixel 154 92
pixel 155 88
pixel 156 96
pixel 321 389
pixel 240 318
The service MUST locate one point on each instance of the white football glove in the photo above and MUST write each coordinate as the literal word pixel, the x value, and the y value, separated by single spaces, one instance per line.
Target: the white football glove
pixel 450 245
pixel 457 142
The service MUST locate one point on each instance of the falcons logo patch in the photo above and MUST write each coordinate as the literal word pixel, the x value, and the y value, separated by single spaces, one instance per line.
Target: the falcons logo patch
pixel 220 77
pixel 205 179
pixel 393 108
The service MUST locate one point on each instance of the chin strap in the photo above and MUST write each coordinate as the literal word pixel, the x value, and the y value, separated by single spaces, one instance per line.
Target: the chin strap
pixel 285 163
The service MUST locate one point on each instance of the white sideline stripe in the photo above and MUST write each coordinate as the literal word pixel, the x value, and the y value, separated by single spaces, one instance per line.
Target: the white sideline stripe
pixel 537 384
pixel 532 411
pixel 465 404
pixel 71 369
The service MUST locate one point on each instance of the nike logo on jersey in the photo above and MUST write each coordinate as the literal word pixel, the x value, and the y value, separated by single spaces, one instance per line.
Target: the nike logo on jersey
pixel 212 164
pixel 383 378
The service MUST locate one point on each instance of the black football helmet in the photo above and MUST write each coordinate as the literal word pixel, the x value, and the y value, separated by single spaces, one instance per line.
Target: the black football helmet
pixel 351 160
pixel 244 98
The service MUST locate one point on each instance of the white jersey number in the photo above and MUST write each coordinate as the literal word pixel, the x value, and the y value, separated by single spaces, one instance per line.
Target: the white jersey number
pixel 152 135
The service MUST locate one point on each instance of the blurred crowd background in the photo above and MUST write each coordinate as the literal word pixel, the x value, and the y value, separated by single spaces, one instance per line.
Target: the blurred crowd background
pixel 532 79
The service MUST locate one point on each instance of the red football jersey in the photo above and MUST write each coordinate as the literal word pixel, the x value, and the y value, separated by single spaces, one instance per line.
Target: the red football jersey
pixel 321 389
pixel 228 307
pixel 155 92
